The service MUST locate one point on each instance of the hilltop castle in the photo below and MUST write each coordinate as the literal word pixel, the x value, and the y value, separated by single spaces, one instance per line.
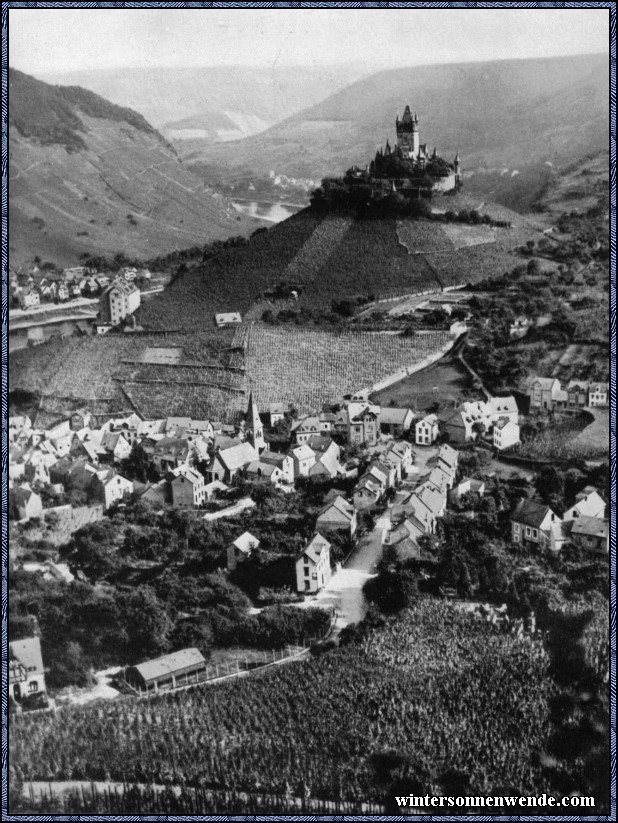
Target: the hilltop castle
pixel 408 168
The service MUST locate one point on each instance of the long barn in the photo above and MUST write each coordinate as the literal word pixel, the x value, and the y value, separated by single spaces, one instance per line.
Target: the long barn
pixel 168 672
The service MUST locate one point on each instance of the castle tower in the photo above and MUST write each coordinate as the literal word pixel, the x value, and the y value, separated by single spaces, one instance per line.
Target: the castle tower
pixel 408 136
pixel 254 427
pixel 457 165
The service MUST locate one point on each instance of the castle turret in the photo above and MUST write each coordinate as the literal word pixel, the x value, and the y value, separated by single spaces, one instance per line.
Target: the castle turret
pixel 457 166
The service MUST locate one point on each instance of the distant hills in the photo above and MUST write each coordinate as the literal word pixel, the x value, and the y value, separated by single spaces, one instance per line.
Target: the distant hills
pixel 89 177
pixel 500 116
pixel 214 103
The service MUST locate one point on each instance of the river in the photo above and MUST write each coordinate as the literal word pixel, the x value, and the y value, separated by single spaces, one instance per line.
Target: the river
pixel 271 212
pixel 23 336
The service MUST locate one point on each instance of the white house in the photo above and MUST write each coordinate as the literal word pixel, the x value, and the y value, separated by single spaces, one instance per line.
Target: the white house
pixel 588 503
pixel 284 462
pixel 240 550
pixel 26 671
pixel 304 458
pixel 506 434
pixel 426 430
pixel 267 472
pixel 187 487
pixel 598 394
pixel 112 488
pixel 313 566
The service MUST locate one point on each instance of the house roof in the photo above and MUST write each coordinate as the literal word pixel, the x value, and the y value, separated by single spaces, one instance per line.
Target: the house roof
pixel 315 547
pixel 319 443
pixel 119 284
pixel 544 382
pixel 393 416
pixel 259 466
pixel 530 513
pixel 429 419
pixel 590 527
pixel 246 542
pixel 433 499
pixel 170 663
pixel 341 506
pixel 599 387
pixel 174 446
pixel 503 405
pixel 302 452
pixel 189 473
pixel 472 484
pixel 228 317
pixel 448 455
pixel 28 653
pixel 274 458
pixel 237 456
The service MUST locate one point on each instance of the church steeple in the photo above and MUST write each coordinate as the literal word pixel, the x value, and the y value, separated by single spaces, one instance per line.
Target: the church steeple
pixel 254 427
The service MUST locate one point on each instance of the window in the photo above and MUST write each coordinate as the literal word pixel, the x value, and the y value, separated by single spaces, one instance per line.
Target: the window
pixel 516 528
pixel 33 686
pixel 535 533
pixel 528 531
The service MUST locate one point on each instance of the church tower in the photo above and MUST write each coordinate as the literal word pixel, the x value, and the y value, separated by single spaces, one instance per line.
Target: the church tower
pixel 408 136
pixel 254 427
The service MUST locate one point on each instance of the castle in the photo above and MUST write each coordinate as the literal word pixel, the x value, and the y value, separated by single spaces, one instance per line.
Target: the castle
pixel 408 168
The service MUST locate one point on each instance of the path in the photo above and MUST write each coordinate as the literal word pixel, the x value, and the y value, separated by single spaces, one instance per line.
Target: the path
pixel 345 588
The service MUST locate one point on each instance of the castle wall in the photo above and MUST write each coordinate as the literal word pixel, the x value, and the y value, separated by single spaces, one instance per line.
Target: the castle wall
pixel 445 183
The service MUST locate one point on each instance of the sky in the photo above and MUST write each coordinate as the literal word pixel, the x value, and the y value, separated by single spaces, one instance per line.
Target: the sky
pixel 51 41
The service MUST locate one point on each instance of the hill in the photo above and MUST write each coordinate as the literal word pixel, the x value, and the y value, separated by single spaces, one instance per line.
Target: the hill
pixel 213 103
pixel 500 115
pixel 326 258
pixel 89 177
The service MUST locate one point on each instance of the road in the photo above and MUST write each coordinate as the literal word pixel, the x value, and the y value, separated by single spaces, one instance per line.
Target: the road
pixel 345 588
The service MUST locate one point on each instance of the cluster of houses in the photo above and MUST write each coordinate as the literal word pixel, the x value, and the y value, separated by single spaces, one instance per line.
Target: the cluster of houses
pixel 585 524
pixel 549 394
pixel 31 289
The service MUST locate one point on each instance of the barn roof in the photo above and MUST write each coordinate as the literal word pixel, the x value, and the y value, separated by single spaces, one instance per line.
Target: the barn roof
pixel 170 663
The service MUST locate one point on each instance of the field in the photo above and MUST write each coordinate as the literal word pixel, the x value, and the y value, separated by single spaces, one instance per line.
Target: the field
pixel 308 368
pixel 447 383
pixel 584 437
pixel 418 687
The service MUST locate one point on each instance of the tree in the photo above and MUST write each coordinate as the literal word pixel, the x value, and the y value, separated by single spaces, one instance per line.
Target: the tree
pixel 146 622
pixel 92 550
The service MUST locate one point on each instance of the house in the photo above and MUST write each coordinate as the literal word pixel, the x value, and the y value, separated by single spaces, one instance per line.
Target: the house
pixel 87 444
pixel 432 500
pixel 187 487
pixel 403 539
pixel 367 493
pixel 403 451
pixel 168 672
pixel 79 419
pixel 111 488
pixel 29 299
pixel 546 393
pixel 441 480
pixel 590 533
pixel 577 394
pixel 588 503
pixel 519 327
pixel 327 465
pixel 326 421
pixel 216 487
pixel 115 446
pixel 505 434
pixel 502 407
pixel 274 413
pixel 337 515
pixel 468 486
pixel 240 550
pixel 63 292
pixel 363 424
pixel 304 458
pixel 416 510
pixel 426 430
pixel 227 318
pixel 268 472
pixel 119 300
pixel 25 503
pixel 284 462
pixel 458 425
pixel 306 428
pixel 226 463
pixel 531 524
pixel 313 566
pixel 395 421
pixel 167 453
pixel 26 671
pixel 598 394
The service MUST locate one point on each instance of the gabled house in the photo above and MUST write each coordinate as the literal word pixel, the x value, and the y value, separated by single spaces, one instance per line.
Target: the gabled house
pixel 503 407
pixel 363 424
pixel 505 434
pixel 240 550
pixel 227 463
pixel 458 424
pixel 426 430
pixel 274 413
pixel 26 673
pixel 29 299
pixel 468 485
pixel 547 393
pixel 590 533
pixel 284 462
pixel 313 566
pixel 327 465
pixel 598 394
pixel 167 453
pixel 25 504
pixel 588 503
pixel 119 300
pixel 577 394
pixel 532 524
pixel 395 421
pixel 267 472
pixel 116 447
pixel 337 515
pixel 306 428
pixel 401 449
pixel 304 458
pixel 111 488
pixel 367 493
pixel 187 487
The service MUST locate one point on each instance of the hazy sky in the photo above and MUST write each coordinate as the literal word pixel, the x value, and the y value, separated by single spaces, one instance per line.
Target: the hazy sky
pixel 45 41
